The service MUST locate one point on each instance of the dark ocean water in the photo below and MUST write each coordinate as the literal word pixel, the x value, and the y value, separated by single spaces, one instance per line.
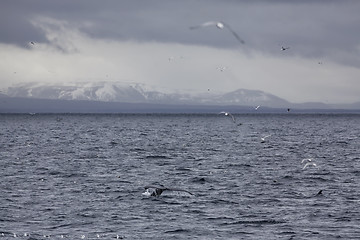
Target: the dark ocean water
pixel 82 176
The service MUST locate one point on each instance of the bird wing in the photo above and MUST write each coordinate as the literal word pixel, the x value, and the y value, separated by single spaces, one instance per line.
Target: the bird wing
pixel 306 159
pixel 205 24
pixel 233 118
pixel 228 114
pixel 234 33
pixel 212 23
pixel 308 164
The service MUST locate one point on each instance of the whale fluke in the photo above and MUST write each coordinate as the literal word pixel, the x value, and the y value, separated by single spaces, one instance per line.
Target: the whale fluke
pixel 158 190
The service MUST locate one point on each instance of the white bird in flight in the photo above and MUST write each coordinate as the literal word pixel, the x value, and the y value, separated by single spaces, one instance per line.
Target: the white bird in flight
pixel 228 114
pixel 306 160
pixel 219 25
pixel 308 164
pixel 222 68
pixel 263 138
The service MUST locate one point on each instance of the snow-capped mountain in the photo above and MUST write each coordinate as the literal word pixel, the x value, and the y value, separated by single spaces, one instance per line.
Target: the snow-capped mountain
pixel 101 91
pixel 136 93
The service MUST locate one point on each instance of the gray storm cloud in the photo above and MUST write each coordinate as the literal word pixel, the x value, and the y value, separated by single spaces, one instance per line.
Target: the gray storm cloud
pixel 133 40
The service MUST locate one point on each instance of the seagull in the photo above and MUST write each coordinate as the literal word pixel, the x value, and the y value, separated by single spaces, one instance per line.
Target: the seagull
pixel 284 48
pixel 310 163
pixel 306 160
pixel 219 25
pixel 222 68
pixel 257 107
pixel 228 114
pixel 158 190
pixel 263 138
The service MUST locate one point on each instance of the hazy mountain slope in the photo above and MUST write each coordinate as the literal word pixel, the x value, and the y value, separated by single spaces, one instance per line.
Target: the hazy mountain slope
pixel 113 92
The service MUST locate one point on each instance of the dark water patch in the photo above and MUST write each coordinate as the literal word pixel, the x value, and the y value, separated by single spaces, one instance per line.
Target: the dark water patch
pixel 313 176
pixel 156 157
pixel 224 202
pixel 200 180
pixel 256 222
pixel 137 149
pixel 75 175
pixel 55 173
pixel 220 218
pixel 178 230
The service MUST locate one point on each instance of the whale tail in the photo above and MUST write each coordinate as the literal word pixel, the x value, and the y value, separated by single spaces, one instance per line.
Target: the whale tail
pixel 158 190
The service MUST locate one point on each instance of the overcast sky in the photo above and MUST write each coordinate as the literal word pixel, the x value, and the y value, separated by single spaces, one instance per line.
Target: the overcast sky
pixel 150 42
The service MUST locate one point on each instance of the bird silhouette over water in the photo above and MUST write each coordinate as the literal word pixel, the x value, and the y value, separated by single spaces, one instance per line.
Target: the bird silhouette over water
pixel 310 164
pixel 228 114
pixel 158 190
pixel 219 25
pixel 263 138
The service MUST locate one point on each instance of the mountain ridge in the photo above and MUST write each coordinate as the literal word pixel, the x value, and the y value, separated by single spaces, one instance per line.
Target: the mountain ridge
pixel 115 93
pixel 134 93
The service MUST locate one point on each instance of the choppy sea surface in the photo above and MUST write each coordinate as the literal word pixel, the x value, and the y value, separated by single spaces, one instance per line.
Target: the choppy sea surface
pixel 83 176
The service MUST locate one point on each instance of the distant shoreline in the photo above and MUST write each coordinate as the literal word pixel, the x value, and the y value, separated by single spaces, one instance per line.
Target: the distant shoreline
pixel 36 106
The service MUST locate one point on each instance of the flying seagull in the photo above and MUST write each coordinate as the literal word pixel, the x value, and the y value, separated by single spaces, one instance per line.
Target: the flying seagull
pixel 284 48
pixel 228 114
pixel 221 69
pixel 219 25
pixel 263 138
pixel 257 107
pixel 158 190
pixel 306 160
pixel 310 164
